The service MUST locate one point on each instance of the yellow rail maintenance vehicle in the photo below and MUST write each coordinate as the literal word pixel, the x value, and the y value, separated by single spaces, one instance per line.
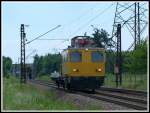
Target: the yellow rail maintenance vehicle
pixel 83 66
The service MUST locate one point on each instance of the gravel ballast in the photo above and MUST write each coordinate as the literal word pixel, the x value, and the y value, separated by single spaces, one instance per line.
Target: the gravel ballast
pixel 82 102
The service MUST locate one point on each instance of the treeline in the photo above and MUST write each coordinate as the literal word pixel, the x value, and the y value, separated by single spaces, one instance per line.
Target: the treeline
pixel 134 61
pixel 7 65
pixel 47 64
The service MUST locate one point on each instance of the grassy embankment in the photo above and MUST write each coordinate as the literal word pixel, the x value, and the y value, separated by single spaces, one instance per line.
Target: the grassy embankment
pixel 28 97
pixel 129 81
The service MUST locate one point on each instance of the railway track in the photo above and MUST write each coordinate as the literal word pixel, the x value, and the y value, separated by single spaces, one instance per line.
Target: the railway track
pixel 126 91
pixel 129 98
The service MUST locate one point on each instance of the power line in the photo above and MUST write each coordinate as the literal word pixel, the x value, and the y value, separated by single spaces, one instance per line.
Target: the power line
pixel 83 14
pixel 43 34
pixel 54 39
pixel 80 16
pixel 134 22
pixel 65 25
pixel 30 53
pixel 63 40
pixel 92 19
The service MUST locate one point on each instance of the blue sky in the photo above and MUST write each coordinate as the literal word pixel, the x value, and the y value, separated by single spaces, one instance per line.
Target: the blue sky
pixel 73 17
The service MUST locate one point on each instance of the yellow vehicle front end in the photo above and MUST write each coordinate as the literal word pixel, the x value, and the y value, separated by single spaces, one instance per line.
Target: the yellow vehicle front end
pixel 84 67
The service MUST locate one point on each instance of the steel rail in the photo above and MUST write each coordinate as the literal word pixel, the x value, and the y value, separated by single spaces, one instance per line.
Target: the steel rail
pixel 134 103
pixel 125 91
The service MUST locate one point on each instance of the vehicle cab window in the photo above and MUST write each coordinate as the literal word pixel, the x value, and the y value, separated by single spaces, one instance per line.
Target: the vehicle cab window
pixel 75 57
pixel 97 56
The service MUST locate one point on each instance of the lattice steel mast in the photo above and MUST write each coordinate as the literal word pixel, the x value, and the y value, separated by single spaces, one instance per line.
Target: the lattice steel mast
pixel 132 16
pixel 22 61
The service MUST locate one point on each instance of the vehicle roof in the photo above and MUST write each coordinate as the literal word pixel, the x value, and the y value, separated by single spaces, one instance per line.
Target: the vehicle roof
pixel 89 48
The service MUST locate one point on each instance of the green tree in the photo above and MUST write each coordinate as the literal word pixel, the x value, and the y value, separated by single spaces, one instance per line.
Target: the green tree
pixel 110 61
pixel 46 64
pixel 36 65
pixel 101 38
pixel 7 64
pixel 136 61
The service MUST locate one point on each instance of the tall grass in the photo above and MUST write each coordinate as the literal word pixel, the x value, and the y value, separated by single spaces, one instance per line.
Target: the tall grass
pixel 44 77
pixel 18 96
pixel 129 81
pixel 26 97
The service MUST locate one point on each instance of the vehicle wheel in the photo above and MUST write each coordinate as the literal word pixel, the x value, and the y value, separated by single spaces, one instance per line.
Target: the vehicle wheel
pixel 93 90
pixel 58 85
pixel 64 85
pixel 68 86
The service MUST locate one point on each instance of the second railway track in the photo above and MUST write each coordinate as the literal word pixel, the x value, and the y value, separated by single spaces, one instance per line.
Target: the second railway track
pixel 132 99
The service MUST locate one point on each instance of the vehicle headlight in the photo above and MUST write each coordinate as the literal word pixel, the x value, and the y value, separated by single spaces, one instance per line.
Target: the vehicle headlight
pixel 86 49
pixel 99 69
pixel 75 70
